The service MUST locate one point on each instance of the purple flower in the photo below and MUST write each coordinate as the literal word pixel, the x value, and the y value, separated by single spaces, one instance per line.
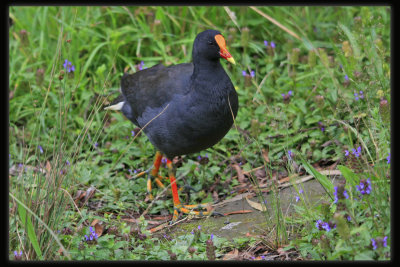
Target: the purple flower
pixel 141 65
pixel 133 133
pixel 265 43
pixel 96 144
pixel 364 187
pixel 318 224
pixel 41 149
pixel 290 93
pixel 297 198
pixel 337 196
pixel 68 163
pixel 346 77
pixel 357 152
pixel 17 255
pixel 92 235
pixel 272 44
pixel 348 218
pixel 384 242
pixel 199 227
pixel 68 66
pixel 164 160
pixel 323 225
pixel 374 245
pixel 321 126
pixel 211 236
pixel 346 153
pixel 358 95
pixel 388 159
pixel 290 154
pixel 252 73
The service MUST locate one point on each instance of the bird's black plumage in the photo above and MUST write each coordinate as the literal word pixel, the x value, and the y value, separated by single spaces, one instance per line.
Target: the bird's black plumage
pixel 183 108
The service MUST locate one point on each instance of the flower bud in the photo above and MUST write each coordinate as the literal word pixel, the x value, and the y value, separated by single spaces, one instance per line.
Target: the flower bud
pixel 312 57
pixel 245 37
pixel 379 44
pixel 23 34
pixel 39 76
pixel 384 110
pixel 210 250
pixel 346 48
pixel 324 57
pixel 342 226
pixel 294 56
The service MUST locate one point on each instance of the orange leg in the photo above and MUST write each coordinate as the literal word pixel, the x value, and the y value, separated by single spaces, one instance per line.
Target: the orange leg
pixel 188 209
pixel 154 173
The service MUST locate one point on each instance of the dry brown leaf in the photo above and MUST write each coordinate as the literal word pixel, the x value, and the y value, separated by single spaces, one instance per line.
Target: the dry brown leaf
pixel 231 255
pixel 256 205
pixel 237 212
pixel 48 166
pixel 89 193
pixel 265 155
pixel 98 229
pixel 240 174
pixel 79 195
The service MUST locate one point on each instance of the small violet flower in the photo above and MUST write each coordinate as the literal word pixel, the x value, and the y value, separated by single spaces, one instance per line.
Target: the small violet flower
pixel 252 74
pixel 359 95
pixel 374 245
pixel 17 255
pixel 92 235
pixel 346 77
pixel 364 187
pixel 337 194
pixel 388 159
pixel 272 44
pixel 41 149
pixel 324 225
pixel 141 66
pixel 290 154
pixel 68 66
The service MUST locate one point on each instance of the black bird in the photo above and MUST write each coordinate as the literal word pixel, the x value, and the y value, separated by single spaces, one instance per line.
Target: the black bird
pixel 183 108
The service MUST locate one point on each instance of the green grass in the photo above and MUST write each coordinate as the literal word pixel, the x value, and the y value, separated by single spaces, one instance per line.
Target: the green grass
pixel 85 146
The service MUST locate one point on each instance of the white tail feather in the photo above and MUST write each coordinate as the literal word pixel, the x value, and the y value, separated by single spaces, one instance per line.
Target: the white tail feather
pixel 115 107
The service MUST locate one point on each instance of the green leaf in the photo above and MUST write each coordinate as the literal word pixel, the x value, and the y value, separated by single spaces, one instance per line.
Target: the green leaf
pixel 366 255
pixel 322 179
pixel 349 175
pixel 26 222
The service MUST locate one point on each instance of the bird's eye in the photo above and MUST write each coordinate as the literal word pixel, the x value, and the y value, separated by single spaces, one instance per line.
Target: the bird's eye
pixel 210 42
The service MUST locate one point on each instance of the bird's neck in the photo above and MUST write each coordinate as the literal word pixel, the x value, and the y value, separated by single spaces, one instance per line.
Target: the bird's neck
pixel 208 70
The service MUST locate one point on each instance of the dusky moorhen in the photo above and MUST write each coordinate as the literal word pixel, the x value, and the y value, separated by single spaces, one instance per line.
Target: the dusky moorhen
pixel 183 108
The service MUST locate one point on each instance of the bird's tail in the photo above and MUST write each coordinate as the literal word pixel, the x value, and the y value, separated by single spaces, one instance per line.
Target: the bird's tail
pixel 117 103
pixel 117 106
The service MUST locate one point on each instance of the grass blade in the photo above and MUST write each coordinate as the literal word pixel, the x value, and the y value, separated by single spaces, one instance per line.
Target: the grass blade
pixel 26 222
